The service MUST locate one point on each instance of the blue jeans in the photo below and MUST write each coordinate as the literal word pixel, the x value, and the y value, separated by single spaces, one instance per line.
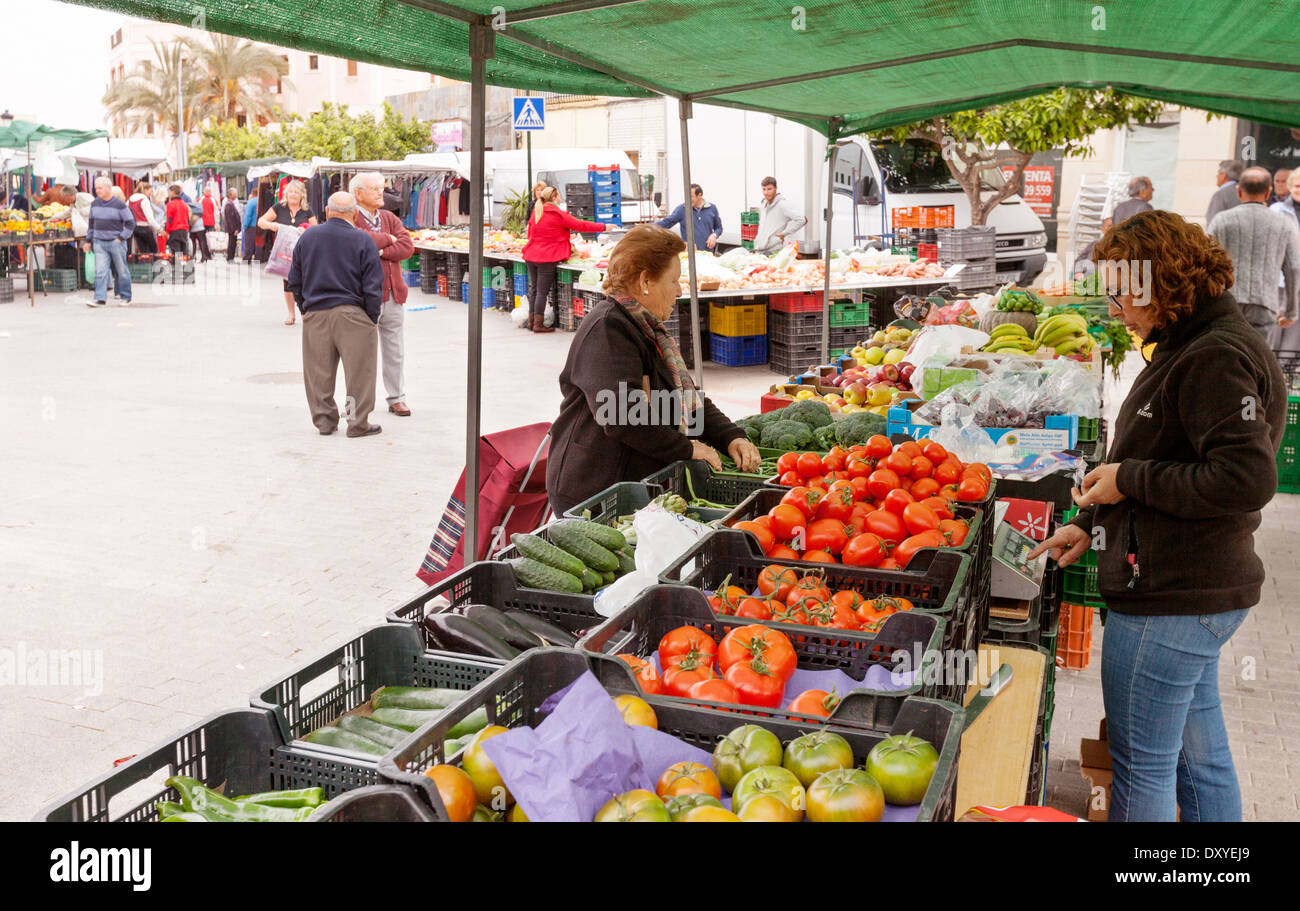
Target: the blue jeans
pixel 1168 744
pixel 111 253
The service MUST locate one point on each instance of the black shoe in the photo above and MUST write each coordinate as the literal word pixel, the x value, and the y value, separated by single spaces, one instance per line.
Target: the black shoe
pixel 369 431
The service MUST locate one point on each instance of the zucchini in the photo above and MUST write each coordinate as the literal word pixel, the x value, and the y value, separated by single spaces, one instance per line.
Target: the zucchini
pixel 405 719
pixel 604 535
pixel 471 724
pixel 345 740
pixel 626 563
pixel 545 552
pixel 415 697
pixel 377 731
pixel 532 574
pixel 591 579
pixel 567 535
pixel 547 631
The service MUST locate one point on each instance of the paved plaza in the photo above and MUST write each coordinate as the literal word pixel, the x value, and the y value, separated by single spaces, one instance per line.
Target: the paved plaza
pixel 170 516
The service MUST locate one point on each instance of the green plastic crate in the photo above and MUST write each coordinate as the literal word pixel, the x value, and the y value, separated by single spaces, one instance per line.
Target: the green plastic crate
pixel 850 313
pixel 1088 429
pixel 521 268
pixel 412 263
pixel 1288 457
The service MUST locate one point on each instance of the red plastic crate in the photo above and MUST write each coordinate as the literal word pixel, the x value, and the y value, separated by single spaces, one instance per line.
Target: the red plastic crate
pixel 579 305
pixel 796 303
pixel 928 251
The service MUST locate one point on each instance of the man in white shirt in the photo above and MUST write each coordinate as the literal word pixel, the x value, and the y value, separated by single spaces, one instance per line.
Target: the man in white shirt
pixel 778 219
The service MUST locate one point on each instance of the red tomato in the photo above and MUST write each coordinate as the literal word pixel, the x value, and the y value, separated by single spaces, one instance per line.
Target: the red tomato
pixel 787 462
pixel 818 556
pixel 833 461
pixel 859 515
pixel 802 499
pixel 839 451
pixel 980 469
pixel 905 483
pixel 860 489
pixel 687 671
pixel 972 489
pixel 934 452
pixel 809 465
pixel 900 463
pixel 949 491
pixel 646 675
pixel 864 550
pixel 881 482
pixel 909 448
pixel 777 581
pixel 905 551
pixel 850 599
pixel 781 552
pixel 818 482
pixel 859 466
pixel 955 530
pixel 879 446
pixel 826 534
pixel 835 616
pixel 797 615
pixel 754 609
pixel 888 563
pixel 897 500
pixel 921 468
pixel 786 521
pixel 835 477
pixel 756 683
pixel 744 643
pixel 715 690
pixel 941 506
pixel 765 521
pixel 946 473
pixel 810 583
pixel 817 703
pixel 790 479
pixel 837 504
pixel 924 487
pixel 918 518
pixel 682 641
pixel 885 525
pixel 766 540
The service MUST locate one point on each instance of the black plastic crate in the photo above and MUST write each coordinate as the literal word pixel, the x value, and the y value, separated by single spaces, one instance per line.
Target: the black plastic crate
pixel 627 497
pixel 794 322
pixel 937 581
pixel 376 803
pixel 517 696
pixel 970 244
pixel 790 359
pixel 493 583
pixel 725 488
pixel 638 628
pixel 390 654
pixel 235 752
pixel 1027 632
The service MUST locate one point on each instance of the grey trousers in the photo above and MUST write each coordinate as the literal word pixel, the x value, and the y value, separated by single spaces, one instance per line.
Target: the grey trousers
pixel 1263 319
pixel 392 348
pixel 328 336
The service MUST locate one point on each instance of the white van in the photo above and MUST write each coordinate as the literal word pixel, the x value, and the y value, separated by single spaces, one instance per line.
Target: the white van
pixel 558 167
pixel 733 150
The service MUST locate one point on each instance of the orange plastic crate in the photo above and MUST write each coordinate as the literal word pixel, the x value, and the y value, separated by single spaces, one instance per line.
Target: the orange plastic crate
pixel 1074 644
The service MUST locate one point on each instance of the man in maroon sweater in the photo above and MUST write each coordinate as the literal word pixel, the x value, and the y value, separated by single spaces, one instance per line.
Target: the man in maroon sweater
pixel 394 245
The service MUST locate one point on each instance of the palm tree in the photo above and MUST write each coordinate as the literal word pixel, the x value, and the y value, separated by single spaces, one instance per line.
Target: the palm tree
pixel 148 96
pixel 236 75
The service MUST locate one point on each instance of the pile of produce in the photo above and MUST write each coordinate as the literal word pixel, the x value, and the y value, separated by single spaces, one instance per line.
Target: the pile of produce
pixel 798 595
pixel 393 713
pixel 1019 300
pixel 808 423
pixel 199 803
pixel 1062 335
pixel 581 557
pixel 871 505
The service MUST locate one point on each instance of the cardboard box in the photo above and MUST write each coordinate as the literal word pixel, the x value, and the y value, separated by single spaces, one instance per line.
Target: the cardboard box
pixel 1095 766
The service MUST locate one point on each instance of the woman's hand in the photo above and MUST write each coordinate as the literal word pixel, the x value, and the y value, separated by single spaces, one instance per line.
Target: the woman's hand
pixel 705 453
pixel 744 454
pixel 1099 487
pixel 1068 544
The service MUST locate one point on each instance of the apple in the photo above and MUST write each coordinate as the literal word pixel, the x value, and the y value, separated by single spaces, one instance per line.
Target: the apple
pixel 879 409
pixel 875 356
pixel 889 372
pixel 881 336
pixel 852 409
pixel 880 394
pixel 905 371
pixel 895 355
pixel 855 394
pixel 804 394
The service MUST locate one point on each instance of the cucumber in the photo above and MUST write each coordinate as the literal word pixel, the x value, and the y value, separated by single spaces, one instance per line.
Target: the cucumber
pixel 471 724
pixel 372 730
pixel 345 740
pixel 626 563
pixel 610 577
pixel 604 535
pixel 406 719
pixel 415 697
pixel 451 746
pixel 543 551
pixel 591 579
pixel 568 536
pixel 531 574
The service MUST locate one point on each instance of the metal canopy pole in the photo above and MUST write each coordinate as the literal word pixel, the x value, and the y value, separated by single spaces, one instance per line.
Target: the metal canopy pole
pixel 482 46
pixel 826 249
pixel 684 117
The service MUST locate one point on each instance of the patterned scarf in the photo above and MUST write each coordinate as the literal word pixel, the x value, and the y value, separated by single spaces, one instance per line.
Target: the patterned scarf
pixel 653 329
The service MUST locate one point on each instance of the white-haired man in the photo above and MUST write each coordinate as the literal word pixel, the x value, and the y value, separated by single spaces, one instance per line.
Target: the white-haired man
pixel 336 279
pixel 395 245
pixel 111 224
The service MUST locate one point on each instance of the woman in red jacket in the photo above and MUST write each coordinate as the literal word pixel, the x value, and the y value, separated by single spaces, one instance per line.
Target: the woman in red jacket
pixel 548 246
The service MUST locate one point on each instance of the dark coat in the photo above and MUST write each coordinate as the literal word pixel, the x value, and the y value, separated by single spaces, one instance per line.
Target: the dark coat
pixel 1223 199
pixel 588 455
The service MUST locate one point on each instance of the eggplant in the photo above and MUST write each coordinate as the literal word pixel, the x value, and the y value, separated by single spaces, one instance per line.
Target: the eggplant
pixel 547 631
pixel 498 624
pixel 461 634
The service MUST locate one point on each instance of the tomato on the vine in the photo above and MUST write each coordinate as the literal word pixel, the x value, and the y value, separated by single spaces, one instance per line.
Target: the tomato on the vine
pixel 688 670
pixel 754 609
pixel 837 504
pixel 847 598
pixel 833 616
pixel 955 530
pixel 803 499
pixel 745 643
pixel 810 583
pixel 777 581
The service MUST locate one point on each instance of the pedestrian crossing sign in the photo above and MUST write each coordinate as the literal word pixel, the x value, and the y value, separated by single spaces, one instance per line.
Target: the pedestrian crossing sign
pixel 530 113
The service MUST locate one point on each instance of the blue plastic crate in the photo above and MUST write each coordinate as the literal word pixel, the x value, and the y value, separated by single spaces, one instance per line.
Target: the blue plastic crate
pixel 737 351
pixel 521 285
pixel 489 298
pixel 602 181
pixel 411 277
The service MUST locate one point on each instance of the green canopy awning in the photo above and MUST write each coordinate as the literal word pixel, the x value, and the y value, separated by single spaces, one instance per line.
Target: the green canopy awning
pixel 19 132
pixel 839 67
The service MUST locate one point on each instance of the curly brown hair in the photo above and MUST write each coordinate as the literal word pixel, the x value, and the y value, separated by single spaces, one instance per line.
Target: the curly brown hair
pixel 646 248
pixel 1186 263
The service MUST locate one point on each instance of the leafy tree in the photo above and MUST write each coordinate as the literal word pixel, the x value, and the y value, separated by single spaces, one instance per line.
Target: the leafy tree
pixel 335 134
pixel 226 141
pixel 1063 119
pixel 236 76
pixel 148 95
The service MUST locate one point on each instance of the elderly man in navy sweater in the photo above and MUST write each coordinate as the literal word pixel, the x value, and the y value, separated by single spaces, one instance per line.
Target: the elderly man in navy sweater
pixel 111 226
pixel 338 282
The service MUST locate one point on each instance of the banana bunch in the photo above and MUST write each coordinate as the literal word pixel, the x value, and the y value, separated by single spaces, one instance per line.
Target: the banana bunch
pixel 1065 333
pixel 1010 338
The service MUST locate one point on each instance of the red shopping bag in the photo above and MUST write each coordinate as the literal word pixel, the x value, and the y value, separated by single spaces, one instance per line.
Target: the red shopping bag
pixel 511 498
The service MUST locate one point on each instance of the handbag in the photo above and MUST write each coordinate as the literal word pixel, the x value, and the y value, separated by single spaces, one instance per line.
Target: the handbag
pixel 281 258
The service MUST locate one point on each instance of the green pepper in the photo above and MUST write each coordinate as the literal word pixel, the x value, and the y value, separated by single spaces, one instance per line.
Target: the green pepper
pixel 184 817
pixel 302 797
pixel 167 808
pixel 197 798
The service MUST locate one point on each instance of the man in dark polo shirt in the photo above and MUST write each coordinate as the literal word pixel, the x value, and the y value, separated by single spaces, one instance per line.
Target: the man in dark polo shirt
pixel 338 282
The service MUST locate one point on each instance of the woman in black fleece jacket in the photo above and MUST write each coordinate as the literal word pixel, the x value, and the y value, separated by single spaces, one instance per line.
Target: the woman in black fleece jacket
pixel 1172 516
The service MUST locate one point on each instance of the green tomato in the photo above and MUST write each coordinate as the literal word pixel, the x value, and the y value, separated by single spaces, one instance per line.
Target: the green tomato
pixel 634 806
pixel 903 765
pixel 769 781
pixel 845 795
pixel 747 747
pixel 681 804
pixel 483 814
pixel 810 755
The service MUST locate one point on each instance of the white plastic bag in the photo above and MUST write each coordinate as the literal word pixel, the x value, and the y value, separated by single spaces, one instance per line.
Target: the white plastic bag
pixel 519 316
pixel 940 340
pixel 662 537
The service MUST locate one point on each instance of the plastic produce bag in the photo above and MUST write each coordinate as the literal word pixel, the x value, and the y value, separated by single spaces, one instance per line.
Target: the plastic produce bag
pixel 1069 388
pixel 519 316
pixel 959 433
pixel 940 340
pixel 590 277
pixel 281 259
pixel 662 536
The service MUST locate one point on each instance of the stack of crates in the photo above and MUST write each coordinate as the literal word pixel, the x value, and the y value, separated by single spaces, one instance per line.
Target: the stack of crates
pixel 1288 457
pixel 143 271
pixel 411 270
pixel 850 324
pixel 59 279
pixel 738 331
pixel 457 264
pixel 580 200
pixel 520 280
pixel 606 184
pixel 6 289
pixel 748 228
pixel 976 246
pixel 794 332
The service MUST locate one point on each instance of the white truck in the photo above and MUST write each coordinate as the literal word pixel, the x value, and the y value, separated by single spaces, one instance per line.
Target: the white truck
pixel 558 167
pixel 733 150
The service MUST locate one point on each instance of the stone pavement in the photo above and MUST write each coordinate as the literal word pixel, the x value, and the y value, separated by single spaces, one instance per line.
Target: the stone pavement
pixel 168 511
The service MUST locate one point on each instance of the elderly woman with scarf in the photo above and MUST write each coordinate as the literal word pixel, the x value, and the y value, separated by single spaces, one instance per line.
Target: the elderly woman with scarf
pixel 630 405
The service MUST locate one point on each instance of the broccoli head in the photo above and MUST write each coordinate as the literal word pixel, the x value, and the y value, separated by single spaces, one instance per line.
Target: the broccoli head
pixel 808 411
pixel 855 429
pixel 752 428
pixel 786 435
pixel 824 438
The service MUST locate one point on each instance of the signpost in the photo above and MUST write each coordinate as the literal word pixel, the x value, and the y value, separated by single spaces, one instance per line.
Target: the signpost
pixel 529 115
